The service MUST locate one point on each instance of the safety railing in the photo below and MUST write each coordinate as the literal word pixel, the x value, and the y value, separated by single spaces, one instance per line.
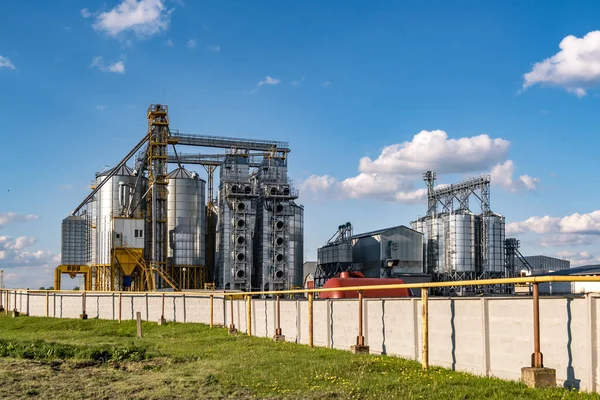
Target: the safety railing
pixel 536 358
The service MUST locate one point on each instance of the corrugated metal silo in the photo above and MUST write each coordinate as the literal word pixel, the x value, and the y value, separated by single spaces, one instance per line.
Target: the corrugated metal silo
pixel 460 241
pixel 186 225
pixel 496 233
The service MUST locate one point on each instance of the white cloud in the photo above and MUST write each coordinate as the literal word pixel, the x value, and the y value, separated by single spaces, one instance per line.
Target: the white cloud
pixel 326 83
pixel 10 217
pixel 433 150
pixel 143 17
pixel 191 43
pixel 169 43
pixel 574 224
pixel 215 48
pixel 395 173
pixel 117 67
pixel 100 107
pixel 575 67
pixel 569 240
pixel 6 63
pixel 502 174
pixel 85 13
pixel 298 82
pixel 268 81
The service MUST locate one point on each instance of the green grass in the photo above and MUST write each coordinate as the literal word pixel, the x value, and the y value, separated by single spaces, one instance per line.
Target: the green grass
pixel 73 359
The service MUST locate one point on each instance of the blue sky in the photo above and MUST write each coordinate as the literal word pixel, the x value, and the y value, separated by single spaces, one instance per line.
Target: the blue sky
pixel 342 80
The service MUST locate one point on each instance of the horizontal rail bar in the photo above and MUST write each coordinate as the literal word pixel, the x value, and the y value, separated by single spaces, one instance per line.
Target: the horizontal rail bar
pixel 424 285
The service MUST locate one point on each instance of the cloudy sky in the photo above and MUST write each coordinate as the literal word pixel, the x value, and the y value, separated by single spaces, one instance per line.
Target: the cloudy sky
pixel 369 95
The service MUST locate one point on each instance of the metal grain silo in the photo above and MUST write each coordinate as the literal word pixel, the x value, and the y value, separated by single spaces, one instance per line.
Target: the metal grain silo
pixel 186 225
pixel 113 200
pixel 495 235
pixel 435 228
pixel 460 241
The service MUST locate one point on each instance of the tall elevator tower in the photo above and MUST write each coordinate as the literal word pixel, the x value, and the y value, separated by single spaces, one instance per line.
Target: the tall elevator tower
pixel 158 140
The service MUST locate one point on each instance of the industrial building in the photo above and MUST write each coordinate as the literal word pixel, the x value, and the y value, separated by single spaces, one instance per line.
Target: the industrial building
pixel 146 226
pixel 541 264
pixel 385 253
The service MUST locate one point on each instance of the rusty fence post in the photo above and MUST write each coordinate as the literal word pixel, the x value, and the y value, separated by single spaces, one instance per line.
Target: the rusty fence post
pixel 310 319
pixel 425 328
pixel 47 304
pixel 278 336
pixel 211 310
pixel 232 330
pixel 359 347
pixel 537 358
pixel 6 306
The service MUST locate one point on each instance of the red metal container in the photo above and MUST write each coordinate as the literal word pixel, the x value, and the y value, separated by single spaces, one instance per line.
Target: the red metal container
pixel 347 279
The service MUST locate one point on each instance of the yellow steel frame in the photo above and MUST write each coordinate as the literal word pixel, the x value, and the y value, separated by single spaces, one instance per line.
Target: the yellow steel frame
pixel 73 271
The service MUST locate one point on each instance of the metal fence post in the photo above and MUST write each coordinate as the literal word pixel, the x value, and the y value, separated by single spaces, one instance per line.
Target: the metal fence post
pixel 232 330
pixel 278 336
pixel 211 310
pixel 47 304
pixel 249 319
pixel 119 307
pixel 310 319
pixel 425 328
pixel 537 358
pixel 83 313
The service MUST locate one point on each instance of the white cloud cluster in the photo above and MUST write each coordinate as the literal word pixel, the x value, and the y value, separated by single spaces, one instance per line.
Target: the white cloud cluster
pixel 502 174
pixel 169 43
pixel 143 17
pixel 6 63
pixel 85 13
pixel 298 82
pixel 576 67
pixel 214 48
pixel 433 150
pixel 577 223
pixel 13 253
pixel 393 175
pixel 565 239
pixel 10 217
pixel 116 67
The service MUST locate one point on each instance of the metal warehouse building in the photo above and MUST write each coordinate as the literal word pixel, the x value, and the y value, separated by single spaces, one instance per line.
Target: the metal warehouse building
pixel 388 252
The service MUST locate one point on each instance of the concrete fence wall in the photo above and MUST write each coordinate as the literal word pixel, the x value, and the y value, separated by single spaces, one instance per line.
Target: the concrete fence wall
pixel 485 336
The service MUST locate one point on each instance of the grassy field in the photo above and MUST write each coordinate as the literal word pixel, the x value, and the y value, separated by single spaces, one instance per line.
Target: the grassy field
pixel 73 359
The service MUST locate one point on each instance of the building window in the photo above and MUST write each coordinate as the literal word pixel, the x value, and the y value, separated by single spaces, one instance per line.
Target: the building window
pixel 136 233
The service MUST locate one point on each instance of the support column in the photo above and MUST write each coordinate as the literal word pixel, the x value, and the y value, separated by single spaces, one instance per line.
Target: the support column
pixel 279 337
pixel 537 376
pixel 360 347
pixel 425 328
pixel 232 330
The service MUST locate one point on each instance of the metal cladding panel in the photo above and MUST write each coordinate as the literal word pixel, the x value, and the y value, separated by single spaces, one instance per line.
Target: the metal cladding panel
pixel 402 244
pixel 545 263
pixel 365 249
pixel 129 232
pixel 295 275
pixel 460 242
pixel 74 241
pixel 335 253
pixel 186 218
pixel 496 233
pixel 107 205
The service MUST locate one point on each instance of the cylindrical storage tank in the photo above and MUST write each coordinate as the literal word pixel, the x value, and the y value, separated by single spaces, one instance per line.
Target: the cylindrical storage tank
pixel 295 246
pixel 435 243
pixel 108 204
pixel 185 211
pixel 460 241
pixel 496 232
